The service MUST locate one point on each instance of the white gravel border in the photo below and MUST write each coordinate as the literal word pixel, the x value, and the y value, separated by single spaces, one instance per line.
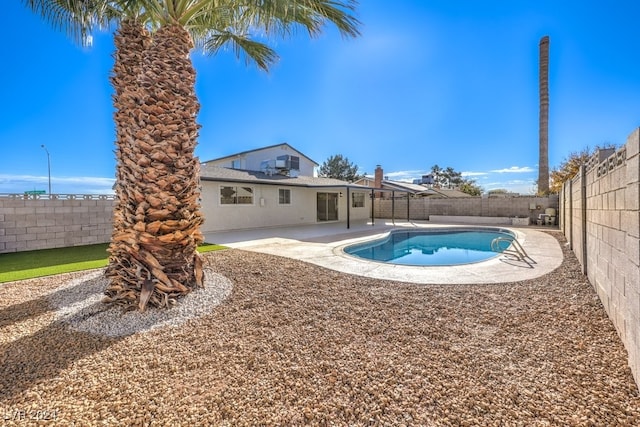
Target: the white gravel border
pixel 78 303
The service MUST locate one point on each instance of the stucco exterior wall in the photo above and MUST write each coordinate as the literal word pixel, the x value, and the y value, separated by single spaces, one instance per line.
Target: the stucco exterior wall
pixel 267 212
pixel 603 229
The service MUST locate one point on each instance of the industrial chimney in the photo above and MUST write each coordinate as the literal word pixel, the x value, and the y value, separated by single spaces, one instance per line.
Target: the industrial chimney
pixel 543 162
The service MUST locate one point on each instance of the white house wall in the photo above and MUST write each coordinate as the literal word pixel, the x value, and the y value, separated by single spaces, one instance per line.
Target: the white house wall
pixel 268 213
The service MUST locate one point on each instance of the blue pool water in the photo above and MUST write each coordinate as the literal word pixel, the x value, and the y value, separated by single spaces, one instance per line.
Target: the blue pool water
pixel 433 247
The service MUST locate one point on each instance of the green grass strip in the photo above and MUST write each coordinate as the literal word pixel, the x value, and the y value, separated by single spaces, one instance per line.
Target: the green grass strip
pixel 46 262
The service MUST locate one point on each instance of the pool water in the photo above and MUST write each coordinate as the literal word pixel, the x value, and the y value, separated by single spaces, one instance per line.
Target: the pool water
pixel 433 247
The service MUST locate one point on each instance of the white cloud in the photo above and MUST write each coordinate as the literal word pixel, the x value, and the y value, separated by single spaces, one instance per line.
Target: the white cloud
pixel 410 174
pixel 515 169
pixel 468 174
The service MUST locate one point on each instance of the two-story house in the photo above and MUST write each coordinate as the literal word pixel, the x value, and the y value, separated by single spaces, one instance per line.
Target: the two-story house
pixel 275 186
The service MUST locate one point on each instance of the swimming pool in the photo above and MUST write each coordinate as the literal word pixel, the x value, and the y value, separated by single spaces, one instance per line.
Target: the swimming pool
pixel 435 247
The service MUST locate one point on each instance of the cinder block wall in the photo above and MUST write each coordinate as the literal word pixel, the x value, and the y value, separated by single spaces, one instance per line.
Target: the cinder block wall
pixel 43 224
pixel 421 208
pixel 603 228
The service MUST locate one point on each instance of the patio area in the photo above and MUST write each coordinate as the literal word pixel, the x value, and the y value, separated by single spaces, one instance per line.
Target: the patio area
pixel 322 245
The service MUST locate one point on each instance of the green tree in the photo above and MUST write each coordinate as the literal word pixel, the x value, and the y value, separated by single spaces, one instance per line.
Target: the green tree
pixel 447 177
pixel 570 166
pixel 157 218
pixel 450 178
pixel 438 177
pixel 339 167
pixel 470 187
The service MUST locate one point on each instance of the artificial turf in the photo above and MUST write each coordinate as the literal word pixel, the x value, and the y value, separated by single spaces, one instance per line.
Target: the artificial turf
pixel 45 262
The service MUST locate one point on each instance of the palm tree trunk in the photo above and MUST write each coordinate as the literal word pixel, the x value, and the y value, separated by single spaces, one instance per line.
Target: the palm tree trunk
pixel 131 41
pixel 154 255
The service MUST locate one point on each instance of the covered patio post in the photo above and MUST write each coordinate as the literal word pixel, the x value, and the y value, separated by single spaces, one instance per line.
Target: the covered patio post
pixel 348 210
pixel 372 201
pixel 393 207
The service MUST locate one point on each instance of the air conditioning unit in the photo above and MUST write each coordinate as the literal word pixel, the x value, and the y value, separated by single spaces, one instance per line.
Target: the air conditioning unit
pixel 288 162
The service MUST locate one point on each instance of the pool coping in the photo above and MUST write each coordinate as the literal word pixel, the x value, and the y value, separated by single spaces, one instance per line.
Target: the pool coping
pixel 323 247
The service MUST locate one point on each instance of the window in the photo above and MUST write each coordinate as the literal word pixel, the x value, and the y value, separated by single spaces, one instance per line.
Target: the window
pixel 284 196
pixel 357 200
pixel 327 206
pixel 236 195
pixel 235 164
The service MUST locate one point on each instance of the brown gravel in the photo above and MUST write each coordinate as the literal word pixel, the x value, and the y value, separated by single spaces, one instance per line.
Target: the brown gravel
pixel 297 344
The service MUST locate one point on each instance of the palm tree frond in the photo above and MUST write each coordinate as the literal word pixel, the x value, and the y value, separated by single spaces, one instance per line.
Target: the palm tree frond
pixel 78 18
pixel 254 52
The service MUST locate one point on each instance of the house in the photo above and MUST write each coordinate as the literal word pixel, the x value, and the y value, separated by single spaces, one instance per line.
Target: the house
pixel 275 186
pixel 402 188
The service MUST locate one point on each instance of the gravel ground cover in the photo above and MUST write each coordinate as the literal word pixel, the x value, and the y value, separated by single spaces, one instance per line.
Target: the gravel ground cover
pixel 297 344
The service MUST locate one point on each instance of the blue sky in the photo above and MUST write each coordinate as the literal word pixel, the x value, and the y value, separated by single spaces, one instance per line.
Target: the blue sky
pixel 446 82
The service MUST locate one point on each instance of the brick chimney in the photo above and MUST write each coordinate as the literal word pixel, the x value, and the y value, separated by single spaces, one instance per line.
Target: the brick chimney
pixel 378 177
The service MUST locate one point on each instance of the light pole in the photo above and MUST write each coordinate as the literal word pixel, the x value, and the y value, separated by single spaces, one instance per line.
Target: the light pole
pixel 48 166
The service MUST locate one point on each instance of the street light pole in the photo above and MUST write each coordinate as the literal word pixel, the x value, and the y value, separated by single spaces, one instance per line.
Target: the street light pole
pixel 48 166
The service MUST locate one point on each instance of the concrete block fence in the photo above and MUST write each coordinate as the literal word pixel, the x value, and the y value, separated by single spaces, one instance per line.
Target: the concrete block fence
pixel 505 207
pixel 59 221
pixel 601 220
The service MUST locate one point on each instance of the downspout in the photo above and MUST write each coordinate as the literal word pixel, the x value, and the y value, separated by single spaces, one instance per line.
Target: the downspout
pixel 408 198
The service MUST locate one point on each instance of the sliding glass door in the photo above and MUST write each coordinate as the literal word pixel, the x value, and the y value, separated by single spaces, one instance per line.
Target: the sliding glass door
pixel 327 206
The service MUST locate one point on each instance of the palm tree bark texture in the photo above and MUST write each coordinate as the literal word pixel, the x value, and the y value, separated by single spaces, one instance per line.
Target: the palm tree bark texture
pixel 154 258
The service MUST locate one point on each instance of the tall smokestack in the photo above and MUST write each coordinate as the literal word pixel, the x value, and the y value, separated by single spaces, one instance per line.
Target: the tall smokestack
pixel 543 162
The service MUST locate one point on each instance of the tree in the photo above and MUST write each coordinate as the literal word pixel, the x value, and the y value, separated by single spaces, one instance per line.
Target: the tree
pixel 470 187
pixel 438 178
pixel 570 166
pixel 339 167
pixel 446 178
pixel 450 178
pixel 153 250
pixel 453 178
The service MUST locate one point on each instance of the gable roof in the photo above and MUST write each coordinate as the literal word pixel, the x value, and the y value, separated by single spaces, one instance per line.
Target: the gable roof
pixel 242 153
pixel 407 186
pixel 450 192
pixel 415 189
pixel 221 174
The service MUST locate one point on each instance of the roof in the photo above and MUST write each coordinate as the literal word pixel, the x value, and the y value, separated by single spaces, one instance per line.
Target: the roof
pixel 221 174
pixel 450 192
pixel 416 189
pixel 400 185
pixel 260 149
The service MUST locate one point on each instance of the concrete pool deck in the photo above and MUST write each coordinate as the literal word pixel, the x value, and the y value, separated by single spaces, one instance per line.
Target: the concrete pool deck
pixel 322 245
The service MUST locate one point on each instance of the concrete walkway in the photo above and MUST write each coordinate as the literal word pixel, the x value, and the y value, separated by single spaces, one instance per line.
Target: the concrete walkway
pixel 323 244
